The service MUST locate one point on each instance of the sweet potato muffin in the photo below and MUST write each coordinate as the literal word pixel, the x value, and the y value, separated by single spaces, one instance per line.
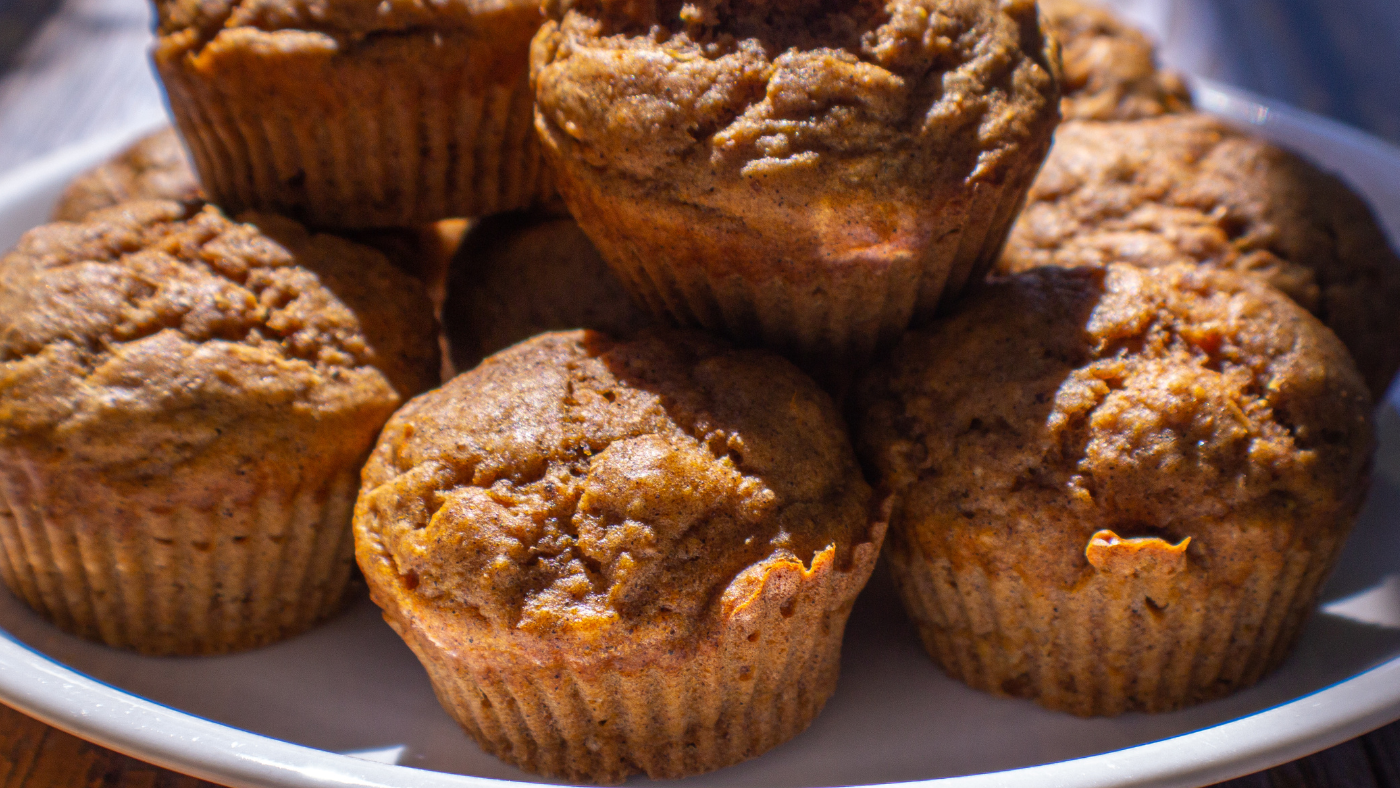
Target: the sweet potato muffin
pixel 355 113
pixel 185 404
pixel 1110 67
pixel 155 167
pixel 158 168
pixel 805 175
pixel 1116 489
pixel 521 274
pixel 1187 188
pixel 619 557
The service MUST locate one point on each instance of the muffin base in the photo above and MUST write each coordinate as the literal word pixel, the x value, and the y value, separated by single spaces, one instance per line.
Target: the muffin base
pixel 805 281
pixel 389 132
pixel 181 577
pixel 1114 642
pixel 757 680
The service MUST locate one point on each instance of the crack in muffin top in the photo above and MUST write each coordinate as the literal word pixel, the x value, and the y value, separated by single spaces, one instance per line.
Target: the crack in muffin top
pixel 1176 402
pixel 924 86
pixel 156 310
pixel 607 492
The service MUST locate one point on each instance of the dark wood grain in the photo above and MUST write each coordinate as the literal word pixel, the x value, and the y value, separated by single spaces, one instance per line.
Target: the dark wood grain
pixel 33 755
pixel 1383 753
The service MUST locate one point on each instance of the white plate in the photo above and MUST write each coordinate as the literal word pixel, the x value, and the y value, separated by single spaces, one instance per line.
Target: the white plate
pixel 347 704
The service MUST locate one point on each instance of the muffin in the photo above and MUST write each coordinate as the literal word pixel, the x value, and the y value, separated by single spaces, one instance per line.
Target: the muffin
pixel 809 176
pixel 618 557
pixel 426 251
pixel 1189 189
pixel 521 274
pixel 155 167
pixel 1110 67
pixel 185 404
pixel 1116 489
pixel 354 114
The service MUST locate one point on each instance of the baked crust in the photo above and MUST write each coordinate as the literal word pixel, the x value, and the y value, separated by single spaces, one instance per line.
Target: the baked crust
pixel 1189 189
pixel 521 274
pixel 806 96
pixel 808 177
pixel 155 167
pixel 668 514
pixel 1130 482
pixel 93 309
pixel 184 405
pixel 1110 67
pixel 204 20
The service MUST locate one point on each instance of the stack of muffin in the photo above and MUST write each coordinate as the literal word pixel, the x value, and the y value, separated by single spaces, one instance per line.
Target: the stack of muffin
pixel 1116 454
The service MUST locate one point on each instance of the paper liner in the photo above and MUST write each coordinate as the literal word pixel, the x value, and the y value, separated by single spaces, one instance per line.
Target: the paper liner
pixel 829 309
pixel 758 679
pixel 181 579
pixel 1106 646
pixel 395 132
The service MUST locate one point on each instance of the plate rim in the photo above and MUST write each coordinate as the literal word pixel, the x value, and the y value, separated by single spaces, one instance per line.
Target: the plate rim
pixel 93 710
pixel 96 711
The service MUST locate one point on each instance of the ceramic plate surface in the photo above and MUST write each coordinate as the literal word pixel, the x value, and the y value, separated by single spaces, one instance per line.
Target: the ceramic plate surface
pixel 348 705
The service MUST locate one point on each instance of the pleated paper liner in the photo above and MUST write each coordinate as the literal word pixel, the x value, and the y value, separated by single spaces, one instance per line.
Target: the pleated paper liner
pixel 392 132
pixel 756 681
pixel 1153 636
pixel 736 277
pixel 187 578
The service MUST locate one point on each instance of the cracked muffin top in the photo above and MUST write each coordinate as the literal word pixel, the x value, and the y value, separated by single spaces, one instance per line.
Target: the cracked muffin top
pixel 521 274
pixel 693 95
pixel 1110 67
pixel 576 492
pixel 156 331
pixel 156 167
pixel 1187 188
pixel 190 24
pixel 1180 402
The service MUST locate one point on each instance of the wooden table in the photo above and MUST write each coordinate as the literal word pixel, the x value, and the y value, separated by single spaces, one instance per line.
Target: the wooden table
pixel 76 67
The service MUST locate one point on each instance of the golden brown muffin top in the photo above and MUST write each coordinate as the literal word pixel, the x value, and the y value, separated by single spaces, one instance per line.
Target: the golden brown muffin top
pixel 1110 67
pixel 145 333
pixel 1187 188
pixel 521 274
pixel 603 497
pixel 692 95
pixel 156 167
pixel 1180 402
pixel 189 24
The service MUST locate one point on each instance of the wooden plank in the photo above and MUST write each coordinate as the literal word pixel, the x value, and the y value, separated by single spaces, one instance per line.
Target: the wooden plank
pixel 1371 761
pixel 1383 750
pixel 1343 766
pixel 33 755
pixel 1256 780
